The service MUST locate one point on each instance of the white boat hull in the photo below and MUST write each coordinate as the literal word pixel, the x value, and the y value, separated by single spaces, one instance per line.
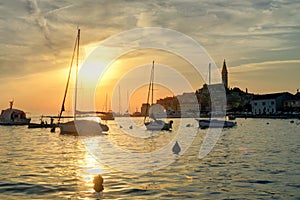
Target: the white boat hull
pixel 82 127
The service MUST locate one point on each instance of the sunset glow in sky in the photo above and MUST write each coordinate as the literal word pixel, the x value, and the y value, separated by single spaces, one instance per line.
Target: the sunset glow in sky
pixel 260 41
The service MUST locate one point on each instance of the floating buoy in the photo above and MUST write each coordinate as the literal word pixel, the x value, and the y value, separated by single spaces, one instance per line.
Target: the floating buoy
pixel 292 121
pixel 176 148
pixel 130 127
pixel 98 183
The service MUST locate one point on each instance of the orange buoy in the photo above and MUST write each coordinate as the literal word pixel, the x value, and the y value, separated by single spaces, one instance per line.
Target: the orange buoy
pixel 98 183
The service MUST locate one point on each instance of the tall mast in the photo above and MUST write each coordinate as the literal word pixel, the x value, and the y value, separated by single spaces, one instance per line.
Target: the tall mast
pixel 150 89
pixel 68 80
pixel 152 81
pixel 76 78
pixel 209 75
pixel 119 101
pixel 105 103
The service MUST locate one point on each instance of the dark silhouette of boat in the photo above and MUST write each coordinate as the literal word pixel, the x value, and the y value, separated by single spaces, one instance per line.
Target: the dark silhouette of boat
pixel 43 123
pixel 215 123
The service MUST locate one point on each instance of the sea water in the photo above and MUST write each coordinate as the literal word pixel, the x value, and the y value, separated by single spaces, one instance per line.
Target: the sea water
pixel 257 159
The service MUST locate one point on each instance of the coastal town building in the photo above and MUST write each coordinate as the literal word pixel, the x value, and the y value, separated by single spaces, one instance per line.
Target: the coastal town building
pixel 292 105
pixel 212 97
pixel 171 105
pixel 220 98
pixel 145 109
pixel 189 106
pixel 268 104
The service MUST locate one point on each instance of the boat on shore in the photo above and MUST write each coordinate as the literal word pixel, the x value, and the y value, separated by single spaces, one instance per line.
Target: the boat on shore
pixel 13 117
pixel 215 123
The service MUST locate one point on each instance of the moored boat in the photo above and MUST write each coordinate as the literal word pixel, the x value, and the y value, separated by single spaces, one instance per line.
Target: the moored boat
pixel 157 125
pixel 43 123
pixel 40 125
pixel 215 123
pixel 107 116
pixel 231 117
pixel 77 126
pixel 12 116
pixel 151 122
pixel 82 127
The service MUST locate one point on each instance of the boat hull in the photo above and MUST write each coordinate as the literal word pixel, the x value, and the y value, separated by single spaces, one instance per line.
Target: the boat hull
pixel 13 117
pixel 15 122
pixel 214 123
pixel 82 127
pixel 39 125
pixel 158 125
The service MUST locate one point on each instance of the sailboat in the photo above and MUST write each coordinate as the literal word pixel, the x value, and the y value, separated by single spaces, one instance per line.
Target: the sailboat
pixel 107 114
pixel 78 126
pixel 151 122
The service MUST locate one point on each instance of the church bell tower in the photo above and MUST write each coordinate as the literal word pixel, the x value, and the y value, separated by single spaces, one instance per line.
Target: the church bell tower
pixel 225 75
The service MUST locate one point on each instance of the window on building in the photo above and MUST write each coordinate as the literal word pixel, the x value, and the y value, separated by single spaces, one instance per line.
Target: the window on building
pixel 263 103
pixel 272 102
pixel 255 104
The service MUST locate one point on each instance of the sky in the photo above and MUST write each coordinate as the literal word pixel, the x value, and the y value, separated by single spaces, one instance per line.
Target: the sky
pixel 260 40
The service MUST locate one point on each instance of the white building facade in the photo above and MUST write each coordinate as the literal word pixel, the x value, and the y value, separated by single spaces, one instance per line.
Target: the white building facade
pixel 264 106
pixel 269 103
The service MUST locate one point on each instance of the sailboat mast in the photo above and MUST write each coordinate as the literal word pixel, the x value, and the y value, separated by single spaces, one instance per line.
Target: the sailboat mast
pixel 68 81
pixel 76 76
pixel 152 82
pixel 119 101
pixel 105 103
pixel 150 89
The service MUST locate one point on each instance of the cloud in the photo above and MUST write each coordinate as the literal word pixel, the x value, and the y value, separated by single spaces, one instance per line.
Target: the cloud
pixel 40 20
pixel 38 35
pixel 268 65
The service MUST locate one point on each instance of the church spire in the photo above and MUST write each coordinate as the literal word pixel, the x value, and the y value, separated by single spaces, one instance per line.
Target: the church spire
pixel 225 75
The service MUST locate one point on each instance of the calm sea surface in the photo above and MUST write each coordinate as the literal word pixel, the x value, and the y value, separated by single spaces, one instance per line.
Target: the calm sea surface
pixel 257 159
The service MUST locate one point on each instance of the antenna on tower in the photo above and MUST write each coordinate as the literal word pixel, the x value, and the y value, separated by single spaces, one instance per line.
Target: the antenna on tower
pixel 209 73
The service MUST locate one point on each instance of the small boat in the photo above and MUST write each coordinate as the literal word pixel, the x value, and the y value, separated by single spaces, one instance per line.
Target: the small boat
pixel 107 116
pixel 42 124
pixel 231 117
pixel 12 116
pixel 154 124
pixel 215 123
pixel 157 125
pixel 77 126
